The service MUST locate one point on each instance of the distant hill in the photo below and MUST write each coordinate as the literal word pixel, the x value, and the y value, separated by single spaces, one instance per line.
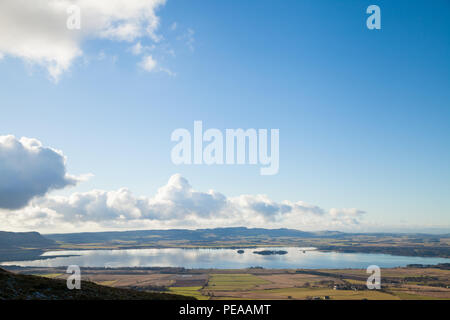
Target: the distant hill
pixel 22 240
pixel 217 234
pixel 27 287
pixel 23 245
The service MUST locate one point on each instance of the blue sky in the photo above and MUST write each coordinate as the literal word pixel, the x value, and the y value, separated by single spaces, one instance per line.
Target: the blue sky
pixel 363 114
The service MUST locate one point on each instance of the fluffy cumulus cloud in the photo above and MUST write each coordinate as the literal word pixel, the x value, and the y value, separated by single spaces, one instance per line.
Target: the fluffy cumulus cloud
pixel 175 204
pixel 29 170
pixel 349 212
pixel 148 63
pixel 36 31
pixel 348 216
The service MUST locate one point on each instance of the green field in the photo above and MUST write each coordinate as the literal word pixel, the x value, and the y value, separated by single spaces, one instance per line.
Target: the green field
pixel 305 293
pixel 189 291
pixel 256 284
pixel 234 282
pixel 408 296
pixel 49 275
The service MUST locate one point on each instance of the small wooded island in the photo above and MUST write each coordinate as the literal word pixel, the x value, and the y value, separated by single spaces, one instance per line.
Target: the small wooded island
pixel 270 252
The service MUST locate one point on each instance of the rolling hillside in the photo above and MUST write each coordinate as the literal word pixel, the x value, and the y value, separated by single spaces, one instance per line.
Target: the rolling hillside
pixel 24 240
pixel 27 287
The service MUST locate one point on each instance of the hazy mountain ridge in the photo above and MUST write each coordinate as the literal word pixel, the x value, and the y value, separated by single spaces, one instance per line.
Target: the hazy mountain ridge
pixel 184 234
pixel 217 234
pixel 34 240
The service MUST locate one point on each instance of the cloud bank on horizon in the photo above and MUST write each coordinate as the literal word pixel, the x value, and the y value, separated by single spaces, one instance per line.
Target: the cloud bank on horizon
pixel 36 31
pixel 30 171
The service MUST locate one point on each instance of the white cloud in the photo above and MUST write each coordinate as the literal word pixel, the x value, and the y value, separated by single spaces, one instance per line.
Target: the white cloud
pixel 28 170
pixel 349 216
pixel 148 63
pixel 349 212
pixel 189 38
pixel 168 71
pixel 136 49
pixel 139 49
pixel 36 31
pixel 173 26
pixel 175 204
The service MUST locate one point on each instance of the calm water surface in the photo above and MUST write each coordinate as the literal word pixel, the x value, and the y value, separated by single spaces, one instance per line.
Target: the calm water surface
pixel 222 259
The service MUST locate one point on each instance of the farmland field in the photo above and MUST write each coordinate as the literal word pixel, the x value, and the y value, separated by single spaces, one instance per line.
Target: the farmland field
pixel 285 284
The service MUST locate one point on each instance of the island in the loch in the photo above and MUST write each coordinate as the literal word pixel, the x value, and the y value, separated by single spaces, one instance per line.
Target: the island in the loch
pixel 270 252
